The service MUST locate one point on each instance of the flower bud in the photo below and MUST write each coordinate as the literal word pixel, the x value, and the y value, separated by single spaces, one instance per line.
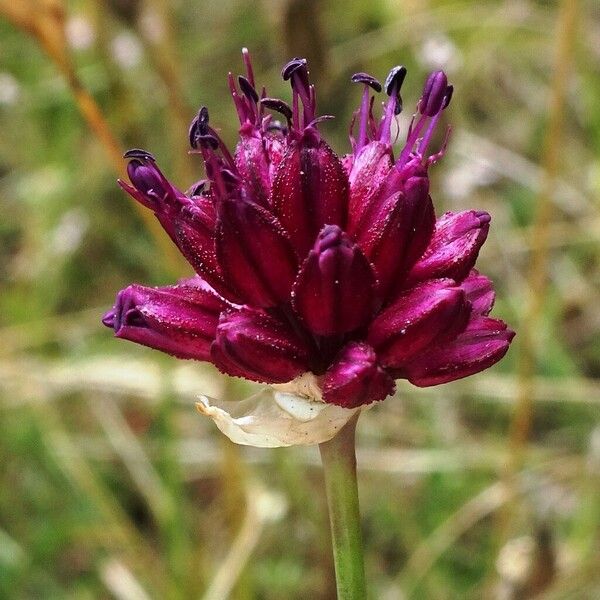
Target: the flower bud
pixel 355 378
pixel 255 253
pixel 335 289
pixel 310 190
pixel 434 94
pixel 454 246
pixel 252 344
pixel 426 314
pixel 396 231
pixel 180 320
pixel 482 344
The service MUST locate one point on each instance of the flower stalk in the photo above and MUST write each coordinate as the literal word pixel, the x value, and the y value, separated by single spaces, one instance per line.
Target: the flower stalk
pixel 339 467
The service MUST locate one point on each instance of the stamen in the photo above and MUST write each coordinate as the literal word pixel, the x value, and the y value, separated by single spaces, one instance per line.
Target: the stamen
pixel 292 66
pixel 223 147
pixel 321 119
pixel 365 110
pixel 248 63
pixel 364 119
pixel 296 72
pixel 279 106
pixel 367 80
pixel 436 97
pixel 198 127
pixel 142 155
pixel 393 84
pixel 394 80
pixel 247 89
pixel 277 126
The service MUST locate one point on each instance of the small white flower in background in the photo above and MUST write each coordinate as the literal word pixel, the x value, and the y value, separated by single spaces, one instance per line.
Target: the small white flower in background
pixel 126 50
pixel 80 33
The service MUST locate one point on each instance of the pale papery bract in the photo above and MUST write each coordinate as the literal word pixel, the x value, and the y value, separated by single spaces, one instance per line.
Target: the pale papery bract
pixel 312 265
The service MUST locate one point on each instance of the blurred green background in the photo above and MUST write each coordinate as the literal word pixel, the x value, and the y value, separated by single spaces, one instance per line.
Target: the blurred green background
pixel 112 486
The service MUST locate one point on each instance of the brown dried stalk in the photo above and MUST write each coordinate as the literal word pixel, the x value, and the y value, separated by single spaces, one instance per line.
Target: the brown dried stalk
pixel 44 21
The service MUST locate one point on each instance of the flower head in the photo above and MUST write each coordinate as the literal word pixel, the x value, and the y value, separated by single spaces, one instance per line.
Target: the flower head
pixel 311 264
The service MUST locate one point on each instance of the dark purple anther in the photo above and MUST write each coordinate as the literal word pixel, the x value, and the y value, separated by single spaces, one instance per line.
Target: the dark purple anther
pixel 297 73
pixel 292 66
pixel 392 85
pixel 142 155
pixel 367 80
pixel 247 89
pixel 394 80
pixel 199 128
pixel 434 94
pixel 197 189
pixel 279 106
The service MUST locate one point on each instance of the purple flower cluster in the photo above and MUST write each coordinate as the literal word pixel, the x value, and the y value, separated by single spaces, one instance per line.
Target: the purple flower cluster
pixel 307 262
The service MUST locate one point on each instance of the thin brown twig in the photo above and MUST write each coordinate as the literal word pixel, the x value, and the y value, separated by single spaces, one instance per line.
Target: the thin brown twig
pixel 44 21
pixel 537 276
pixel 538 266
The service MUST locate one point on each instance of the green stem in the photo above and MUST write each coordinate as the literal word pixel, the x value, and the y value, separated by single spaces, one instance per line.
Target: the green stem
pixel 339 467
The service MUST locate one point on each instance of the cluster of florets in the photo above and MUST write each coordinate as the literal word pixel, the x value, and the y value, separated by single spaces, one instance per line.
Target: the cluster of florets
pixel 307 262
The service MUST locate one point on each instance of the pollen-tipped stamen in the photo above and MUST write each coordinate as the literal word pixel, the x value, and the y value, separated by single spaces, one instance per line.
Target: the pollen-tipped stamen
pixel 248 64
pixel 296 72
pixel 434 100
pixel 392 86
pixel 364 111
pixel 279 106
pixel 434 121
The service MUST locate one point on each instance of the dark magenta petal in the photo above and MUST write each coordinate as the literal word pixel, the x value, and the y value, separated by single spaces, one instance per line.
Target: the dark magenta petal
pixel 479 292
pixel 252 344
pixel 368 172
pixel 355 378
pixel 254 253
pixel 397 232
pixel 482 344
pixel 190 222
pixel 454 246
pixel 180 320
pixel 335 289
pixel 253 166
pixel 194 233
pixel 425 315
pixel 310 190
